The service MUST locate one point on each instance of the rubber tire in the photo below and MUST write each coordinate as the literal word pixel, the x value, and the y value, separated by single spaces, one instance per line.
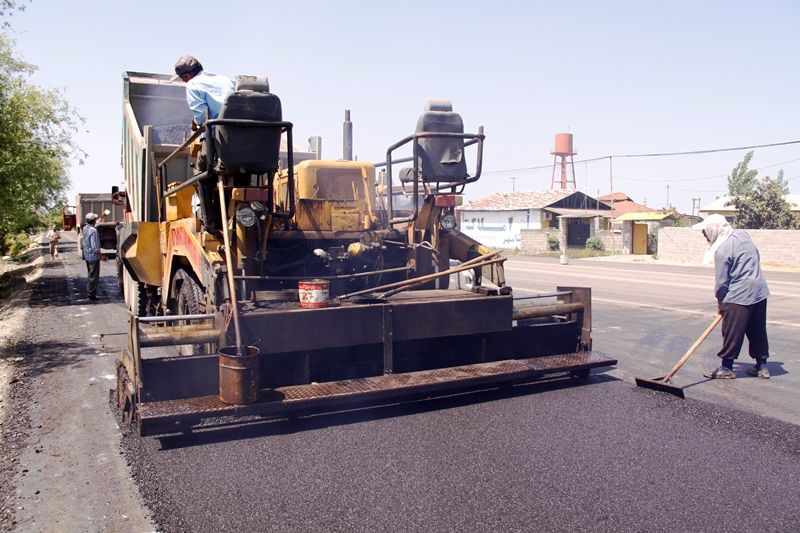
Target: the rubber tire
pixel 187 302
pixel 135 294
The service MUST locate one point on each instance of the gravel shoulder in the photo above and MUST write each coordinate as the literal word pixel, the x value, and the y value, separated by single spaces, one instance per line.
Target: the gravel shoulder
pixel 60 442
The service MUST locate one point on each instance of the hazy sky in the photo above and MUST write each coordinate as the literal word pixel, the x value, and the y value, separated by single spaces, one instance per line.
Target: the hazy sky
pixel 623 77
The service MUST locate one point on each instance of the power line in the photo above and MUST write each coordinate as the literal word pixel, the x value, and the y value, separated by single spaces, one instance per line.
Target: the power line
pixel 696 152
pixel 659 154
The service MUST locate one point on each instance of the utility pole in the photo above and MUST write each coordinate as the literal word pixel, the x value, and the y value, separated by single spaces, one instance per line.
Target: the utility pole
pixel 695 207
pixel 513 183
pixel 611 187
pixel 667 196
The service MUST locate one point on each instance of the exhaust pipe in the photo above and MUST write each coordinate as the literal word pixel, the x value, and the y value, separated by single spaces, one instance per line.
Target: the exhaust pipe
pixel 347 137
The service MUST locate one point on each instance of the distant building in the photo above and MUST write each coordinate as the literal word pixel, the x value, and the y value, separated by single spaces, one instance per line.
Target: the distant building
pixel 622 204
pixel 720 206
pixel 496 220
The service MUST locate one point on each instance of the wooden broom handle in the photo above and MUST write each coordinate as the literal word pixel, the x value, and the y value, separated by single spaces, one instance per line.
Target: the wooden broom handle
pixel 694 346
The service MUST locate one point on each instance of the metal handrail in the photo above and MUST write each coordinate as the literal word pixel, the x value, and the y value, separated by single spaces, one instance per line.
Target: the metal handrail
pixel 473 137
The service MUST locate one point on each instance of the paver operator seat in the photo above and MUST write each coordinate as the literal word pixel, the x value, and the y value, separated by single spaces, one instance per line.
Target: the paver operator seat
pixel 250 149
pixel 244 150
pixel 441 159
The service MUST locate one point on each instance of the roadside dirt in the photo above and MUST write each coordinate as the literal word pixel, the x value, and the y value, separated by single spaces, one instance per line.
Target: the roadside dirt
pixel 60 457
pixel 14 424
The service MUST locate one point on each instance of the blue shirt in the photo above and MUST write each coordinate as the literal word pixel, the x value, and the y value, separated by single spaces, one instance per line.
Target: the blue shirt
pixel 206 92
pixel 91 244
pixel 739 279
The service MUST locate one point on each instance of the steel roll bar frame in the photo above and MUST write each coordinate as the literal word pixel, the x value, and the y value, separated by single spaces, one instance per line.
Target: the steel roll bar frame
pixel 285 127
pixel 472 139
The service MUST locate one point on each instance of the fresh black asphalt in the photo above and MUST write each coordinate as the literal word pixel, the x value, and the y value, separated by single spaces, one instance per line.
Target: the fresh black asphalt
pixel 606 456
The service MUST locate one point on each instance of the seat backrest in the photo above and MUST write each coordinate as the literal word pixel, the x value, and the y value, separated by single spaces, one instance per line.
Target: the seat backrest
pixel 250 149
pixel 406 175
pixel 441 159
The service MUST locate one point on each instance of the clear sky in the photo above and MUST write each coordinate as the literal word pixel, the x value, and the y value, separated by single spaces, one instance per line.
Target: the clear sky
pixel 625 77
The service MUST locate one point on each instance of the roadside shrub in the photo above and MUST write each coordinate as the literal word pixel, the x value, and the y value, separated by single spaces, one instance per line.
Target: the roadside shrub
pixel 17 244
pixel 552 243
pixel 652 243
pixel 595 243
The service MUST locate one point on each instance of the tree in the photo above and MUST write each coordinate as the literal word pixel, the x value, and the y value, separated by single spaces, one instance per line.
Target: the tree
pixel 742 180
pixel 766 206
pixel 7 8
pixel 36 145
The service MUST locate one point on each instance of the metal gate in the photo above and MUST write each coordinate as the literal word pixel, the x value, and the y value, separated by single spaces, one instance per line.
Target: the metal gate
pixel 577 233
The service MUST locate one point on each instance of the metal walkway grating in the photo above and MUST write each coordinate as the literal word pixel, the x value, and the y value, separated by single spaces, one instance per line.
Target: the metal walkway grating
pixel 166 416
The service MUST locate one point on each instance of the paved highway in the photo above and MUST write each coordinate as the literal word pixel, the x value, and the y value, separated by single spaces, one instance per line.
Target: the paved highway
pixel 607 456
pixel 603 457
pixel 648 315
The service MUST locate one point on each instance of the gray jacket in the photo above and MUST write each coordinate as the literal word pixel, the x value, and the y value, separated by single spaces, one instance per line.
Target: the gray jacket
pixel 739 279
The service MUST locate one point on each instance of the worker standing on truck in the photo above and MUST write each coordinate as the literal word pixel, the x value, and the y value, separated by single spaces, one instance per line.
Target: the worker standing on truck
pixel 91 254
pixel 205 94
pixel 741 292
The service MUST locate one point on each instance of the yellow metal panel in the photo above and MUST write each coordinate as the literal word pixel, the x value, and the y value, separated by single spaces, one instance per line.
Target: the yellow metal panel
pixel 144 257
pixel 314 215
pixel 346 216
pixel 331 195
pixel 180 205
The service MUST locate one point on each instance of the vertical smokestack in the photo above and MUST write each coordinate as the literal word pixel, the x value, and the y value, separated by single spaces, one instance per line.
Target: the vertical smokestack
pixel 347 137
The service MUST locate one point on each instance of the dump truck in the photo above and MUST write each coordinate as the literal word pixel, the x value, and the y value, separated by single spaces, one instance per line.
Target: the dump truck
pixel 109 213
pixel 275 282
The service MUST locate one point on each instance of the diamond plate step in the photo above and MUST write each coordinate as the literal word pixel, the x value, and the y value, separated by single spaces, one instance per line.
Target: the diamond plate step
pixel 174 415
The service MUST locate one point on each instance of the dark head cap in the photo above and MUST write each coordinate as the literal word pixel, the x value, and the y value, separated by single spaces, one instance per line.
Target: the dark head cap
pixel 187 65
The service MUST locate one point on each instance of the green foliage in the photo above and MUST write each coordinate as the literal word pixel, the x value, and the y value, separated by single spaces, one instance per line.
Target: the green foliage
pixel 766 206
pixel 17 244
pixel 742 180
pixel 36 146
pixel 595 243
pixel 552 243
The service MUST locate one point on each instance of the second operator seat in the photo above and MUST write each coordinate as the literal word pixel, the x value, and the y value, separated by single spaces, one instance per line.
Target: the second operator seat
pixel 248 150
pixel 441 159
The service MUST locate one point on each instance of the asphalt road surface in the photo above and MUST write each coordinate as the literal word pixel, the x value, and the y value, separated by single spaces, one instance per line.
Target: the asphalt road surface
pixel 606 456
pixel 647 316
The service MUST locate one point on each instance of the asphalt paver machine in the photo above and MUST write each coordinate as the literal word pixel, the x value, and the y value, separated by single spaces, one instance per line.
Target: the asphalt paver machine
pixel 275 282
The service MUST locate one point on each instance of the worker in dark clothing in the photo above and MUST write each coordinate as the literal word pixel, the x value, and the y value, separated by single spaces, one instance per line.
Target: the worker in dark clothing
pixel 91 254
pixel 741 292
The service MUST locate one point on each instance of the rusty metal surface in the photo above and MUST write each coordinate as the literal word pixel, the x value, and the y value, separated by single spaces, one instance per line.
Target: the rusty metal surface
pixel 427 314
pixel 156 338
pixel 167 416
pixel 238 375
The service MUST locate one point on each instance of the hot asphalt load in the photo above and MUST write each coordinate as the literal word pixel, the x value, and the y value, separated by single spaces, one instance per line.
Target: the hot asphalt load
pixel 605 456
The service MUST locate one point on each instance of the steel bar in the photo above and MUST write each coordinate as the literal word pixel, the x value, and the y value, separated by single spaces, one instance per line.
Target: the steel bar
pixel 543 295
pixel 535 311
pixel 229 264
pixel 423 279
pixel 161 338
pixel 340 276
pixel 188 183
pixel 175 318
pixel 468 265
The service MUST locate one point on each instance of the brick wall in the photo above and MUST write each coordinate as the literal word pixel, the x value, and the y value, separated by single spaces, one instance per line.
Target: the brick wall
pixel 534 241
pixel 777 246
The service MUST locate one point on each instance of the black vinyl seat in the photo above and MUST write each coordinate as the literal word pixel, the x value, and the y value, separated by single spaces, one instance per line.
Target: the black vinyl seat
pixel 441 159
pixel 250 149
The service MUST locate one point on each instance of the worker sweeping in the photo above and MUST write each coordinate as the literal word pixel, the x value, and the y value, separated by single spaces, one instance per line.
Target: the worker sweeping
pixel 741 292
